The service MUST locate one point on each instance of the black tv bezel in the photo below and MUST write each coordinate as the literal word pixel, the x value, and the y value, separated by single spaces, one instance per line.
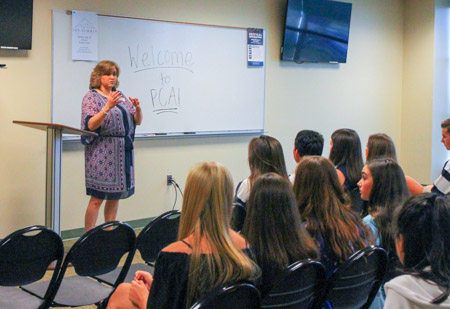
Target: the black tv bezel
pixel 22 27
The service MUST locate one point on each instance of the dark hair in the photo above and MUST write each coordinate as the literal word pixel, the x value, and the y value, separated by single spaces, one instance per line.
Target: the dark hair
pixel 424 223
pixel 446 125
pixel 103 68
pixel 273 226
pixel 323 205
pixel 309 143
pixel 346 151
pixel 389 191
pixel 380 146
pixel 265 155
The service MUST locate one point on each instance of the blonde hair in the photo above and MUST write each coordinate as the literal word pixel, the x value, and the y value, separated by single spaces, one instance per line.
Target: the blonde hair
pixel 206 215
pixel 104 67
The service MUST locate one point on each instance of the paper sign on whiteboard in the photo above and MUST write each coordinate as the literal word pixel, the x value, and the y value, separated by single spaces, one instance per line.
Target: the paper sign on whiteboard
pixel 255 41
pixel 84 36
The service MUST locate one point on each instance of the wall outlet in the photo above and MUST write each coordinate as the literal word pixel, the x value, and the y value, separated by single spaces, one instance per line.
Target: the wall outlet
pixel 169 180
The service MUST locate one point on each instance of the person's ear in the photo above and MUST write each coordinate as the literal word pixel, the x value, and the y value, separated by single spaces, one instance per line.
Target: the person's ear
pixel 297 157
pixel 399 247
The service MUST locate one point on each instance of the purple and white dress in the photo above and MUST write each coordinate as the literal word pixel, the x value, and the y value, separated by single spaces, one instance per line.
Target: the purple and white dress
pixel 109 159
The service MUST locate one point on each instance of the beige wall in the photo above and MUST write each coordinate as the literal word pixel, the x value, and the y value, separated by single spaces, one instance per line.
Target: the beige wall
pixel 364 94
pixel 417 106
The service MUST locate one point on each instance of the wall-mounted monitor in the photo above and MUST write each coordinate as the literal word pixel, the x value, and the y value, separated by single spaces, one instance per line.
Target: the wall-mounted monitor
pixel 316 31
pixel 16 22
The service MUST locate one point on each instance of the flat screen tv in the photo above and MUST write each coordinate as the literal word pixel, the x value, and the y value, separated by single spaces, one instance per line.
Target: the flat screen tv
pixel 16 21
pixel 316 31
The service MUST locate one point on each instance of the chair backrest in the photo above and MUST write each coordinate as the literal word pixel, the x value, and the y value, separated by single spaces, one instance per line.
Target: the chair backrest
pixel 238 215
pixel 156 235
pixel 299 286
pixel 99 251
pixel 241 295
pixel 26 254
pixel 355 283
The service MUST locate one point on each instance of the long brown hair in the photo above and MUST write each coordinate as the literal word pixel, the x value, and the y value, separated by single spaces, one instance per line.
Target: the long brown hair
pixel 103 68
pixel 346 151
pixel 380 146
pixel 206 216
pixel 265 155
pixel 273 225
pixel 324 207
pixel 389 191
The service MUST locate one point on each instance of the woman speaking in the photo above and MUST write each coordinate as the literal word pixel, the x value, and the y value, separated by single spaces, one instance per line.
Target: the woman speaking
pixel 109 162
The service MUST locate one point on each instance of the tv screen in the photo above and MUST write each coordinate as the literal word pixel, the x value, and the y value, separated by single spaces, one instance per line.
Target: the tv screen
pixel 316 31
pixel 16 21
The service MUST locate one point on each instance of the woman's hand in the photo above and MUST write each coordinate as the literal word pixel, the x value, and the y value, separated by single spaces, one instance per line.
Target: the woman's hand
pixel 114 98
pixel 138 115
pixel 138 294
pixel 135 102
pixel 145 277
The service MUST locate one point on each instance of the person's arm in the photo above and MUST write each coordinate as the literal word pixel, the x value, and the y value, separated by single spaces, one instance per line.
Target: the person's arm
pixel 442 184
pixel 96 121
pixel 138 116
pixel 427 189
pixel 138 294
pixel 413 186
pixel 341 177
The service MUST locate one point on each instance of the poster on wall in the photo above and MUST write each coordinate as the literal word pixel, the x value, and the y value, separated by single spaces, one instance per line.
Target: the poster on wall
pixel 84 36
pixel 255 41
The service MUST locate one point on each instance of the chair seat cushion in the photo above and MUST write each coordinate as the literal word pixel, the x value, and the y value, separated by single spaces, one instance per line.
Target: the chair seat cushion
pixel 74 291
pixel 111 277
pixel 12 297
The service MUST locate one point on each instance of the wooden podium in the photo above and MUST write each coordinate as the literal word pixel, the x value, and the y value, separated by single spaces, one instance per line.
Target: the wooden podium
pixel 53 170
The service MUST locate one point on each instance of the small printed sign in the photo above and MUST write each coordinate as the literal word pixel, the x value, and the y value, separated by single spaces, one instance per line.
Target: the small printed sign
pixel 255 41
pixel 84 36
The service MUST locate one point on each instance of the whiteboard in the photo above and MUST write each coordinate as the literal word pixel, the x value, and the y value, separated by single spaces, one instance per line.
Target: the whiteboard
pixel 189 78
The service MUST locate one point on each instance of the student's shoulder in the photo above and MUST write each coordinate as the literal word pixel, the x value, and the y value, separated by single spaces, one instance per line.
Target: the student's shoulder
pixel 91 94
pixel 239 241
pixel 178 247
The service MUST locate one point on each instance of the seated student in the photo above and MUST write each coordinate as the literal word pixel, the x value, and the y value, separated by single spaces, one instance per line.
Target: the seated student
pixel 383 185
pixel 273 228
pixel 326 212
pixel 442 184
pixel 307 143
pixel 423 246
pixel 381 146
pixel 265 155
pixel 208 254
pixel 346 155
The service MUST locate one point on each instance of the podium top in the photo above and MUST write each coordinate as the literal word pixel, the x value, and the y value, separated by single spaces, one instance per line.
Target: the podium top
pixel 44 126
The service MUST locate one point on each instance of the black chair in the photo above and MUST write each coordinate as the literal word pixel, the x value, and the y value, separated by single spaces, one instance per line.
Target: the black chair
pixel 156 235
pixel 24 258
pixel 96 252
pixel 299 286
pixel 355 283
pixel 241 295
pixel 238 214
